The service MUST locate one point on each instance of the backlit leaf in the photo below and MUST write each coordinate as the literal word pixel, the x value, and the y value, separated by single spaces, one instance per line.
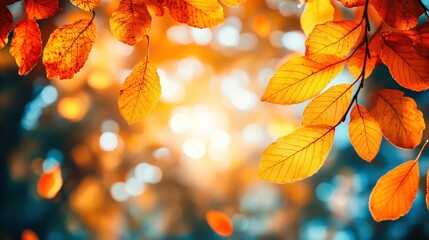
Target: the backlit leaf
pixel 40 9
pixel 407 67
pixel 316 12
pixel 86 5
pixel 394 193
pixel 219 222
pixel 140 92
pixel 50 183
pixel 68 48
pixel 352 3
pixel 130 23
pixel 329 107
pixel 296 156
pixel 364 132
pixel 26 45
pixel 29 234
pixel 400 120
pixel 196 13
pixel 356 62
pixel 302 78
pixel 336 38
pixel 154 7
pixel 399 14
pixel 6 25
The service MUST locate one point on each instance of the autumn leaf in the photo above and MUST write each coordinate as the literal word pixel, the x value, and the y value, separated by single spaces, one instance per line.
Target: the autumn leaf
pixel 219 222
pixel 336 38
pixel 352 3
pixel 26 45
pixel 296 156
pixel 130 23
pixel 364 132
pixel 316 12
pixel 356 62
pixel 302 78
pixel 40 9
pixel 399 14
pixel 196 13
pixel 154 7
pixel 6 25
pixel 400 120
pixel 29 234
pixel 407 67
pixel 86 5
pixel 140 92
pixel 68 48
pixel 50 183
pixel 329 107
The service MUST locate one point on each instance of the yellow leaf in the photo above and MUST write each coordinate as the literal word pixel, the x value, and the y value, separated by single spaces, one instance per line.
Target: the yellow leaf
pixel 400 120
pixel 6 25
pixel 336 38
pixel 130 23
pixel 140 92
pixel 316 12
pixel 302 78
pixel 298 155
pixel 26 45
pixel 68 48
pixel 329 107
pixel 364 132
pixel 86 5
pixel 196 13
pixel 394 193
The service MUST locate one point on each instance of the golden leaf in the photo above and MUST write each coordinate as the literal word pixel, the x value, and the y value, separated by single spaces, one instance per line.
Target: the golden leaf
pixel 86 5
pixel 316 12
pixel 356 62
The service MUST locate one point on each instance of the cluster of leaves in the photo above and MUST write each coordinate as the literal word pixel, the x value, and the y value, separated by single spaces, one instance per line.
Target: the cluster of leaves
pixel 68 47
pixel 331 45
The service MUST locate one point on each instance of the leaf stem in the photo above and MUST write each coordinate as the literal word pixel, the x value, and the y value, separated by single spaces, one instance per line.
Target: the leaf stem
pixel 421 150
pixel 148 46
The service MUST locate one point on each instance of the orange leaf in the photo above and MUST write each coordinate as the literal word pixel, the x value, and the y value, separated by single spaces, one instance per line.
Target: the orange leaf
pixel 140 92
pixel 407 67
pixel 86 5
pixel 316 12
pixel 355 63
pixel 336 38
pixel 50 183
pixel 130 23
pixel 196 13
pixel 26 45
pixel 219 222
pixel 29 234
pixel 399 14
pixel 232 3
pixel 154 7
pixel 40 9
pixel 296 156
pixel 6 25
pixel 68 48
pixel 352 3
pixel 400 120
pixel 302 78
pixel 329 107
pixel 364 132
pixel 394 193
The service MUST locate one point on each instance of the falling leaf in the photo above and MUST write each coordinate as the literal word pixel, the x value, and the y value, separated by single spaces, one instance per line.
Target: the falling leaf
pixel 154 7
pixel 130 23
pixel 232 3
pixel 140 92
pixel 302 78
pixel 329 107
pixel 336 38
pixel 399 14
pixel 6 25
pixel 29 234
pixel 394 193
pixel 316 12
pixel 400 120
pixel 196 13
pixel 26 45
pixel 50 183
pixel 407 67
pixel 68 48
pixel 356 62
pixel 364 132
pixel 219 222
pixel 86 5
pixel 296 156
pixel 352 3
pixel 40 9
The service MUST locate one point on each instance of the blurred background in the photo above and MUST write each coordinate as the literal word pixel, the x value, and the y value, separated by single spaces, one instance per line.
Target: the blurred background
pixel 198 150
